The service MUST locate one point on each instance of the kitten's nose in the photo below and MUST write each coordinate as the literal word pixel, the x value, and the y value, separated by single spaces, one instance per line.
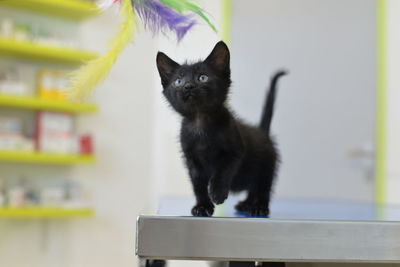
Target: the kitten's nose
pixel 188 86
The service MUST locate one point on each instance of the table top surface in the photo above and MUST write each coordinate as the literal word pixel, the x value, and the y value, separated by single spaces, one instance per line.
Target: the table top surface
pixel 297 231
pixel 318 209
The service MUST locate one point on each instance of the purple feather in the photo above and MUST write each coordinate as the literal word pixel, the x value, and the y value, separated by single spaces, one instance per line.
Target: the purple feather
pixel 160 18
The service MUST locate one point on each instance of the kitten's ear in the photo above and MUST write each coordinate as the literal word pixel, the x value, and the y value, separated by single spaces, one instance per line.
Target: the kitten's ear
pixel 219 57
pixel 166 67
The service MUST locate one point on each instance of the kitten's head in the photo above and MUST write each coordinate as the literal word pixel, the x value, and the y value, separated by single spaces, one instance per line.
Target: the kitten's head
pixel 196 88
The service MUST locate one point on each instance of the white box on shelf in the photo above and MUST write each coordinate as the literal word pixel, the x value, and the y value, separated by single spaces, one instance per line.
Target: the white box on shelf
pixel 55 133
pixel 16 143
pixel 10 125
pixel 14 88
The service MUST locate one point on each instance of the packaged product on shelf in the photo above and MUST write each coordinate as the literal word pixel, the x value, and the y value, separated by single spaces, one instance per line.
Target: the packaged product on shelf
pixel 2 194
pixel 52 84
pixel 12 84
pixel 43 36
pixel 6 28
pixel 10 125
pixel 54 133
pixel 86 144
pixel 10 29
pixel 21 32
pixel 45 84
pixel 24 32
pixel 14 88
pixel 32 197
pixel 62 85
pixel 16 143
pixel 23 193
pixel 52 197
pixel 16 195
pixel 11 136
pixel 73 196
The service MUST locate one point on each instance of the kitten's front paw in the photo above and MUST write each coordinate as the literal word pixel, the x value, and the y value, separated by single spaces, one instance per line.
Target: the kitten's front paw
pixel 259 210
pixel 218 194
pixel 243 206
pixel 218 197
pixel 203 210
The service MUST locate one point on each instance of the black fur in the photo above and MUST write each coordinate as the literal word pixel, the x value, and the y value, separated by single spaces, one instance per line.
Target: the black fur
pixel 222 153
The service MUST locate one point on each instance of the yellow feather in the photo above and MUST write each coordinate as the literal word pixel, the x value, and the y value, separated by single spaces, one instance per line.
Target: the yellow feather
pixel 95 71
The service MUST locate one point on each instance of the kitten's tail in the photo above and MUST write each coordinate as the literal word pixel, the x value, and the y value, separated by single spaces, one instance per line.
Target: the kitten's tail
pixel 268 109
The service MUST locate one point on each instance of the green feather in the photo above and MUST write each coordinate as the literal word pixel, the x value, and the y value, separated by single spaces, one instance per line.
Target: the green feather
pixel 185 5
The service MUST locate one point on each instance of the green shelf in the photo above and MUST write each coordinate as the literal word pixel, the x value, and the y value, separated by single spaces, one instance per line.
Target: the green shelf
pixel 66 9
pixel 45 158
pixel 45 104
pixel 38 52
pixel 44 212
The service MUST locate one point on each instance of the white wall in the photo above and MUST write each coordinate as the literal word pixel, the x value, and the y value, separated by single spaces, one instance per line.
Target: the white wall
pixel 325 107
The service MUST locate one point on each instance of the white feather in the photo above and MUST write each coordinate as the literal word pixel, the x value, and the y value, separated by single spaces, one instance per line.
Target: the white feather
pixel 105 4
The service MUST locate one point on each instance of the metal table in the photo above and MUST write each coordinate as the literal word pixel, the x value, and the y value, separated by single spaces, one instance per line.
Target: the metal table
pixel 297 231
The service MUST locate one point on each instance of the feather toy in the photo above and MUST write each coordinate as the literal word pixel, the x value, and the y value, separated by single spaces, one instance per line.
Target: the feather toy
pixel 107 4
pixel 96 70
pixel 158 16
pixel 184 5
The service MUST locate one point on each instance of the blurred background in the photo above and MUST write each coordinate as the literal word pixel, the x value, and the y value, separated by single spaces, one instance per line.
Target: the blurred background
pixel 74 176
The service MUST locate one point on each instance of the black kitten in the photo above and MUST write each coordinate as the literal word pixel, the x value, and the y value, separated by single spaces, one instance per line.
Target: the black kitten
pixel 222 153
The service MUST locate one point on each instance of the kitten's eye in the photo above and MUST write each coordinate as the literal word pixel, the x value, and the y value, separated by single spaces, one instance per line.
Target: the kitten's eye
pixel 203 78
pixel 178 82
